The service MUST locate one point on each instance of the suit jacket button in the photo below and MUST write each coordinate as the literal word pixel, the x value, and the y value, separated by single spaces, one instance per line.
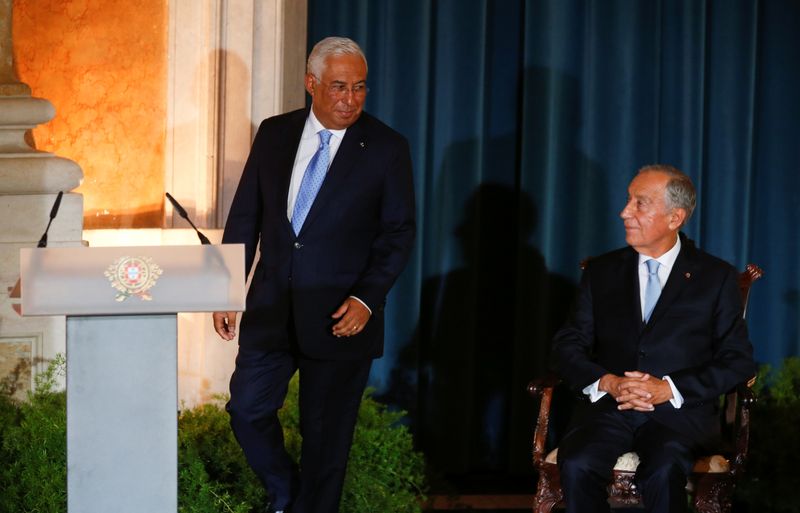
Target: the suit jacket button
pixel 642 354
pixel 297 245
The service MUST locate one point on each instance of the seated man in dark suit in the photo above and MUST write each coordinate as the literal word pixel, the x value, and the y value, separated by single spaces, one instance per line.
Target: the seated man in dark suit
pixel 657 335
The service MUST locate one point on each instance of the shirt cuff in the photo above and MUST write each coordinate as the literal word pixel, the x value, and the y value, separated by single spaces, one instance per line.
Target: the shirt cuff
pixel 593 391
pixel 677 398
pixel 363 303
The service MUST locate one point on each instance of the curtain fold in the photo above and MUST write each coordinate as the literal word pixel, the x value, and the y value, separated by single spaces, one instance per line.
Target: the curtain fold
pixel 527 119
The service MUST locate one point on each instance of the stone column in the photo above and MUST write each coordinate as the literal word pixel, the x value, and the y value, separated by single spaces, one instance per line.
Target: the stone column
pixel 29 182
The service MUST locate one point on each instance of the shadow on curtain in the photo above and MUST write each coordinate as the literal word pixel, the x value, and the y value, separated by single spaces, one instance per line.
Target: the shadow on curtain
pixel 527 120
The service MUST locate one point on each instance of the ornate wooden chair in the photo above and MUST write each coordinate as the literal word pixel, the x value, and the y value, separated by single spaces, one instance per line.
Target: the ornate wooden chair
pixel 713 478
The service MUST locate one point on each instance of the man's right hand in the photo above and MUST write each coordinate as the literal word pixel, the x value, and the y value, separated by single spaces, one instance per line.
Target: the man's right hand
pixel 225 324
pixel 625 391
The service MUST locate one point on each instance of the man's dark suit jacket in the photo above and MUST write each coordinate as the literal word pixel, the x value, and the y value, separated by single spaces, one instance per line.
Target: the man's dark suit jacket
pixel 696 335
pixel 355 241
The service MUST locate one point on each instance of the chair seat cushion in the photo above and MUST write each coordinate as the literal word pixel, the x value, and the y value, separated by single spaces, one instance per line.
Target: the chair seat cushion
pixel 630 460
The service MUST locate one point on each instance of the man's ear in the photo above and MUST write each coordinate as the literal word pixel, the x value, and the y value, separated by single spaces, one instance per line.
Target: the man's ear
pixel 309 82
pixel 677 218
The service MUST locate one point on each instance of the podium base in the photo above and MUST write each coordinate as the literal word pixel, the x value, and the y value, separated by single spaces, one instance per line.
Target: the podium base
pixel 122 432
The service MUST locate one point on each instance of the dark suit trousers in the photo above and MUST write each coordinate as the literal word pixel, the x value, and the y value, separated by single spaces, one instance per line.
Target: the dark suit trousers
pixel 330 395
pixel 587 454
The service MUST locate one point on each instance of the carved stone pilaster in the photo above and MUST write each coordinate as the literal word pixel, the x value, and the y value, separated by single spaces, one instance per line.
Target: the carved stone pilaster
pixel 29 182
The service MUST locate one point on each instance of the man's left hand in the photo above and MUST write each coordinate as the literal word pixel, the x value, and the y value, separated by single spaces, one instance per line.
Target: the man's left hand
pixel 353 316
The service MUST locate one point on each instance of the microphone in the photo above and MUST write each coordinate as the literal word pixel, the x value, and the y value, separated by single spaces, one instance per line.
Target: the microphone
pixel 53 212
pixel 181 212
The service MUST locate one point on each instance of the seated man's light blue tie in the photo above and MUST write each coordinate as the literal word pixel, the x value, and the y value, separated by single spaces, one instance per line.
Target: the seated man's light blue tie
pixel 653 288
pixel 312 181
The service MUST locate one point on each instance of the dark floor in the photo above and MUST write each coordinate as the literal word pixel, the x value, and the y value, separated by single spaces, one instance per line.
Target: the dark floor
pixel 489 493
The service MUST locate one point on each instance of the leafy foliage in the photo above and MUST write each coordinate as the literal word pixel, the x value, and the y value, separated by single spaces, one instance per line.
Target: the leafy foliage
pixel 772 481
pixel 33 447
pixel 384 474
pixel 199 494
pixel 213 474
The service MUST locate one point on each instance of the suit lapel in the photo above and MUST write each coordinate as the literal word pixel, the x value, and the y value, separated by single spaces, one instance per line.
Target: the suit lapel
pixel 631 287
pixel 678 280
pixel 351 149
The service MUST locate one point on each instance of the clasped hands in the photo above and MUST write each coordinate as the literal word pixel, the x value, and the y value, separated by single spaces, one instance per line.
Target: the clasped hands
pixel 636 390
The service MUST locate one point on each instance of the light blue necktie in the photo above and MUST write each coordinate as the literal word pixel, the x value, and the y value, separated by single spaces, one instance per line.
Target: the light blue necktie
pixel 312 181
pixel 653 288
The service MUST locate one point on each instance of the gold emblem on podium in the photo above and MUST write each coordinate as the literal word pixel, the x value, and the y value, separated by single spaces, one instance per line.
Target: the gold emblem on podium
pixel 133 276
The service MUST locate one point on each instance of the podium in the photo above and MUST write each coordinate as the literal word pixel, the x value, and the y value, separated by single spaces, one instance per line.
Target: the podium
pixel 121 305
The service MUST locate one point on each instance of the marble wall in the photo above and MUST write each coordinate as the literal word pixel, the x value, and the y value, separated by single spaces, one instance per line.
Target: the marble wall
pixel 103 65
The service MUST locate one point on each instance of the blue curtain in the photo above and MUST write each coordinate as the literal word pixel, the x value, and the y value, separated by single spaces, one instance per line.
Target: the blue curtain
pixel 527 120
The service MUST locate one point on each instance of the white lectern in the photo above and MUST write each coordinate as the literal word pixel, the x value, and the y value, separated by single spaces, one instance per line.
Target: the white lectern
pixel 121 306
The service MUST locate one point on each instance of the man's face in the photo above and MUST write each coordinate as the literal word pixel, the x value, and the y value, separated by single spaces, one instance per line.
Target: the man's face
pixel 338 97
pixel 650 227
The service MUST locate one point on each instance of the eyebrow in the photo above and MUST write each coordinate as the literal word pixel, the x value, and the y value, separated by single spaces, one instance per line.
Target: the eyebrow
pixel 639 197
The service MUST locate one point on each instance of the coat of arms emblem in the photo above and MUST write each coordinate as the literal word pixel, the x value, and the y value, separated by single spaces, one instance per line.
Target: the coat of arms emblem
pixel 133 276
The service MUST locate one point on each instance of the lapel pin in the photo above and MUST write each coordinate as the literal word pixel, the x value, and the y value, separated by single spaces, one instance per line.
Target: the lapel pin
pixel 688 275
pixel 362 144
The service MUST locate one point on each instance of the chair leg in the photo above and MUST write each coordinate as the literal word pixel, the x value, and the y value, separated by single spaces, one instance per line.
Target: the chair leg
pixel 713 494
pixel 548 492
pixel 543 505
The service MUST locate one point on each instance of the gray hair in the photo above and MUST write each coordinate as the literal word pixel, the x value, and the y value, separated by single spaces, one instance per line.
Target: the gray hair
pixel 329 47
pixel 680 191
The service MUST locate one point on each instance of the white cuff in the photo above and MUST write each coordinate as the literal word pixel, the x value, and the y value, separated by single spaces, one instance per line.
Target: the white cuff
pixel 363 303
pixel 593 391
pixel 677 398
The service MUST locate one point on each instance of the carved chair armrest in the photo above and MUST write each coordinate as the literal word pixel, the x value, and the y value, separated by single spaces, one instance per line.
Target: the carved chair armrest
pixel 537 386
pixel 542 388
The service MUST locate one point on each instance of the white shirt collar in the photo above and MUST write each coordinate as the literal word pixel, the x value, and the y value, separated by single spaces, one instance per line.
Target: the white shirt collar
pixel 313 127
pixel 667 259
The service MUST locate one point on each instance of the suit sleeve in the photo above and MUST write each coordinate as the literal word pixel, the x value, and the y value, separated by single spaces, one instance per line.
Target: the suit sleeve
pixel 244 219
pixel 573 344
pixel 391 248
pixel 732 360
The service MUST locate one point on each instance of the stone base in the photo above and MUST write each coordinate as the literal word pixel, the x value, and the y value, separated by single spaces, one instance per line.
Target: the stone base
pixel 16 362
pixel 27 344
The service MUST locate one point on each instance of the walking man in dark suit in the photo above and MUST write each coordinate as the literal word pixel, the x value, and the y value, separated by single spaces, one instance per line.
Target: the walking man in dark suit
pixel 657 335
pixel 327 195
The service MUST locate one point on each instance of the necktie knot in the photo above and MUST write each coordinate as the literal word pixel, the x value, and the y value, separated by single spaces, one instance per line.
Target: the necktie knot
pixel 325 137
pixel 652 266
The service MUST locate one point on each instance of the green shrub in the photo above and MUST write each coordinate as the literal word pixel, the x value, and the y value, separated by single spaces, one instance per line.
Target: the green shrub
pixel 384 475
pixel 771 480
pixel 384 472
pixel 34 448
pixel 212 465
pixel 197 493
